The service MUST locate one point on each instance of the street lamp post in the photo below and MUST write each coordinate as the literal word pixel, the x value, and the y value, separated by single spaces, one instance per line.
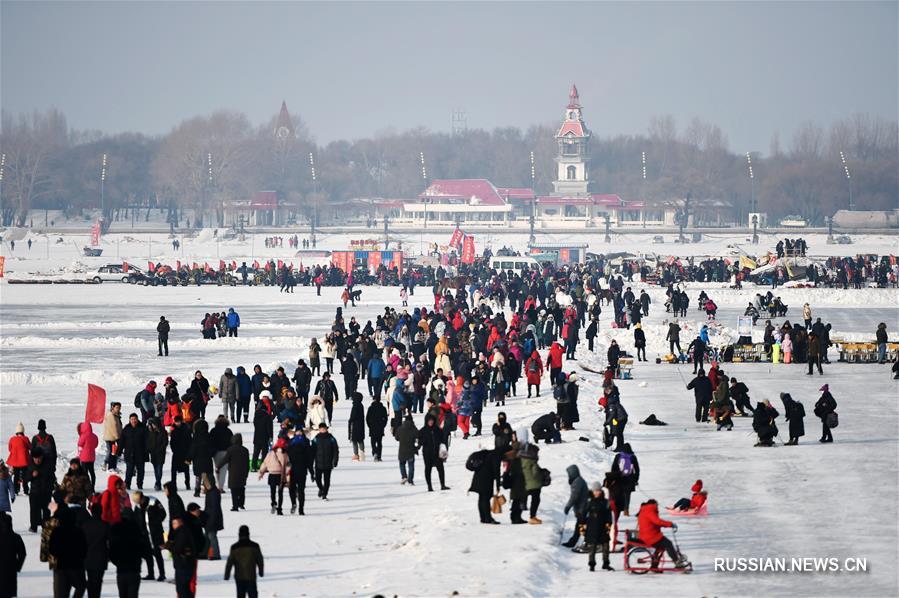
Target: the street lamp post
pixel 755 224
pixel 752 206
pixel 848 178
pixel 829 221
pixel 2 169
pixel 643 185
pixel 424 177
pixel 608 228
pixel 102 188
pixel 533 217
pixel 314 196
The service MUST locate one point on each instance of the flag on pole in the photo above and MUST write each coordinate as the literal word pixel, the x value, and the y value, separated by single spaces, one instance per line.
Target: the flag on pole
pixel 456 239
pixel 468 250
pixel 96 404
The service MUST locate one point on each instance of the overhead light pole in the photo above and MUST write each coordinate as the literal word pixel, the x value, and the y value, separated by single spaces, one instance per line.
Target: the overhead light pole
pixel 848 178
pixel 102 186
pixel 2 170
pixel 753 208
pixel 643 185
pixel 533 216
pixel 314 195
pixel 424 177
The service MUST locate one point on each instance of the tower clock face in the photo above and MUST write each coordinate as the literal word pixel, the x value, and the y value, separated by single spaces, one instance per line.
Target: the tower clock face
pixel 283 132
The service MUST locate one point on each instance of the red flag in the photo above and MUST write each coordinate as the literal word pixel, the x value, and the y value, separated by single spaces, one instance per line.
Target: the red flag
pixel 233 264
pixel 151 266
pixel 280 264
pixel 468 250
pixel 456 239
pixel 125 266
pixel 256 264
pixel 96 404
pixel 178 265
pixel 290 266
pixel 221 264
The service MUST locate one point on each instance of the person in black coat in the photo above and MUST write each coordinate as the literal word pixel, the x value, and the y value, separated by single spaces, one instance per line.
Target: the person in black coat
pixel 184 553
pixel 302 377
pixel 175 504
pixel 486 482
pixel 327 454
pixel 614 354
pixel 127 548
pixel 96 556
pixel 69 546
pixel 626 472
pixel 200 454
pixel 546 428
pixel 179 441
pixel 199 387
pixel 430 437
pixel 824 407
pixel 237 458
pixel 215 520
pixel 502 432
pixel 598 522
pixel 702 392
pixel 376 418
pixel 262 430
pixel 302 462
pixel 356 427
pixel 640 342
pixel 162 331
pixel 327 390
pixel 763 423
pixel 350 371
pixel 699 350
pixel 41 481
pixel 794 413
pixel 12 557
pixel 135 443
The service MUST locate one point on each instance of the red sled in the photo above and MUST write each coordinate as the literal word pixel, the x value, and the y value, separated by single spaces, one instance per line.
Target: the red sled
pixel 702 511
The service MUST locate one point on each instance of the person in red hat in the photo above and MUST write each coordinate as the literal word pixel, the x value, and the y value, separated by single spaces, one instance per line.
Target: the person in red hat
pixel 694 503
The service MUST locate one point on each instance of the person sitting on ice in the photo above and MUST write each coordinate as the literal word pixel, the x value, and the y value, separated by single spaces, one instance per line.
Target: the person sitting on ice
pixel 695 503
pixel 763 423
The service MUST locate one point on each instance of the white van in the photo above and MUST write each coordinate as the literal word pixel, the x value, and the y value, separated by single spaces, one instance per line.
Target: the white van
pixel 517 263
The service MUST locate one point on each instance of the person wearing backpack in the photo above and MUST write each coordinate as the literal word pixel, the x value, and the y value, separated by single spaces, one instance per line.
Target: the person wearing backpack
pixel 534 476
pixel 825 408
pixel 46 443
pixel 534 370
pixel 627 468
pixel 577 500
pixel 486 480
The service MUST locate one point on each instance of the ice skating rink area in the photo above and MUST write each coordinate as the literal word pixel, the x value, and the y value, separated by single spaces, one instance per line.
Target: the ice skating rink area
pixel 377 536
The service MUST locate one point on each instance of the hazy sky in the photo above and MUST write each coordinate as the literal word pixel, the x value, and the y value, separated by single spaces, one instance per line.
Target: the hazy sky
pixel 352 69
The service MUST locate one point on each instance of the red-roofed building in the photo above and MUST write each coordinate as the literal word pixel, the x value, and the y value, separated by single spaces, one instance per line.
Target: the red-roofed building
pixel 460 200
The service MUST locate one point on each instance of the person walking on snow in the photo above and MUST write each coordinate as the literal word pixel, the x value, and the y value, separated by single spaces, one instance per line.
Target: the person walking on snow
pixel 577 500
pixel 825 409
pixel 233 322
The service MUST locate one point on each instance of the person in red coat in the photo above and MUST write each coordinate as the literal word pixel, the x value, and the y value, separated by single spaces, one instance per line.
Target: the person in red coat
pixel 695 502
pixel 534 369
pixel 114 500
pixel 19 457
pixel 650 533
pixel 554 361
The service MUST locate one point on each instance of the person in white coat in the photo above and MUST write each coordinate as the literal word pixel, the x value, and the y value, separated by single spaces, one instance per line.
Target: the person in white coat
pixel 316 414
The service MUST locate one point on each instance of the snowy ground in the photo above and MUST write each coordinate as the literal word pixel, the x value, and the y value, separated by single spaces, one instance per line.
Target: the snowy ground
pixel 375 535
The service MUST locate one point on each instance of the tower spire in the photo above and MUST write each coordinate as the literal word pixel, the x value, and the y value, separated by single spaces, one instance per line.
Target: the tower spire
pixel 573 99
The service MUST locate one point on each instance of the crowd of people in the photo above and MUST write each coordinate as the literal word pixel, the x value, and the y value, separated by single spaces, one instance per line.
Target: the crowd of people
pixel 429 374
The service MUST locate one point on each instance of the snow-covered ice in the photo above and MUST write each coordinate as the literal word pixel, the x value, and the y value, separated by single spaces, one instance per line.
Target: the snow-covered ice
pixel 376 536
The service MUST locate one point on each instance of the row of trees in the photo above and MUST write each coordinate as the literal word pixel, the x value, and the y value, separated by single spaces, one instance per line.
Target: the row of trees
pixel 207 161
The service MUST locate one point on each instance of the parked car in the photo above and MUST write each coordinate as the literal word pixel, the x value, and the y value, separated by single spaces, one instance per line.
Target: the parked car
pixel 843 240
pixel 658 239
pixel 113 273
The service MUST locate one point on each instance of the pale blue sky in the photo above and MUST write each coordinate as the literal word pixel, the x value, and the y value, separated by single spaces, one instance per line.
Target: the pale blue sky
pixel 351 69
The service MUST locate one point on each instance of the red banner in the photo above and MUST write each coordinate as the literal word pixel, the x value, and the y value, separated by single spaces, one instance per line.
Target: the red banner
pixel 256 264
pixel 564 256
pixel 280 264
pixel 151 267
pixel 96 404
pixel 125 267
pixel 95 234
pixel 374 260
pixel 456 239
pixel 2 264
pixel 468 250
pixel 233 264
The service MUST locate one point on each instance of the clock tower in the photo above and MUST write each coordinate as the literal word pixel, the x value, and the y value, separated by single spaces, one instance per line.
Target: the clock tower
pixel 573 137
